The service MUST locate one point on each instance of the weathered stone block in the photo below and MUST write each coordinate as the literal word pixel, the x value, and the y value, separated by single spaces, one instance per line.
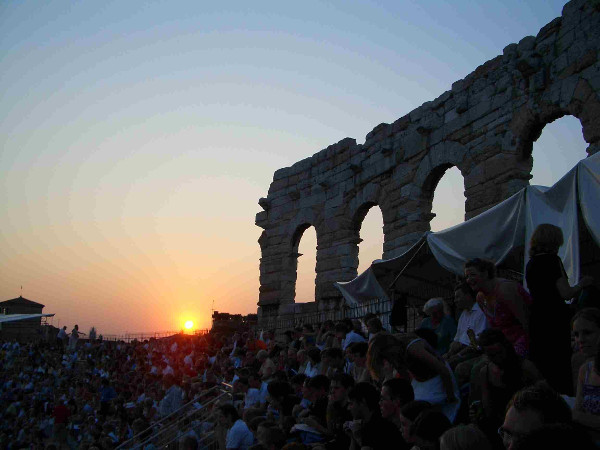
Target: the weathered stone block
pixel 458 86
pixel 278 185
pixel 261 219
pixel 416 114
pixel 450 116
pixel 549 29
pixel 526 44
pixel 412 143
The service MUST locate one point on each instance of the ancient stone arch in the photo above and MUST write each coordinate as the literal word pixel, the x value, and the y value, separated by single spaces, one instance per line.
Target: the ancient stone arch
pixel 484 125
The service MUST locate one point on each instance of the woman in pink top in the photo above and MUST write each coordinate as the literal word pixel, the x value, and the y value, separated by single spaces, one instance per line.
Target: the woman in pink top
pixel 504 302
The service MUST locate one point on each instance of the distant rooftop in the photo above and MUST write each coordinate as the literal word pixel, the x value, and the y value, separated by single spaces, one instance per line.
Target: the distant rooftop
pixel 20 301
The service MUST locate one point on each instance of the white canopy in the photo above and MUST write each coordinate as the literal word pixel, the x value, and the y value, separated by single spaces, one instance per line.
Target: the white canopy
pixel 14 317
pixel 499 234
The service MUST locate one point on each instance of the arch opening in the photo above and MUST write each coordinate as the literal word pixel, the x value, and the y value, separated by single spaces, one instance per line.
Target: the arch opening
pixel 369 227
pixel 559 147
pixel 305 252
pixel 447 189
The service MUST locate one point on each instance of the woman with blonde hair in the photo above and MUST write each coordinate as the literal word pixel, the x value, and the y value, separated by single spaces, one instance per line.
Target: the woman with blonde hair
pixel 412 357
pixel 549 326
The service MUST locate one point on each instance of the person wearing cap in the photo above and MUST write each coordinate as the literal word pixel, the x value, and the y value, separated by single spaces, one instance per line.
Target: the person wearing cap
pixel 442 325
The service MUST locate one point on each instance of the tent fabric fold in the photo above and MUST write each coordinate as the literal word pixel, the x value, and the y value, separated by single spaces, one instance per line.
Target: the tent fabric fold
pixel 495 234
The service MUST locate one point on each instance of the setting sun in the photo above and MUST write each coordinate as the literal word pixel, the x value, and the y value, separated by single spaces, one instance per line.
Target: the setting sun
pixel 189 324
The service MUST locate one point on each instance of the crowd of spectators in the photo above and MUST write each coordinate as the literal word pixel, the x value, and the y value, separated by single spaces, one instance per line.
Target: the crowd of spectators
pixel 452 384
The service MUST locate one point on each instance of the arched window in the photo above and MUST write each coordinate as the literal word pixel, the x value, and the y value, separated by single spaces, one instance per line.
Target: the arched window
pixel 371 233
pixel 448 200
pixel 306 245
pixel 557 150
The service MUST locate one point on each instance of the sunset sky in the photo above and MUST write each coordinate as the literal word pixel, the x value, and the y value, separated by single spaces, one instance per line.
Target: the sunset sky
pixel 137 137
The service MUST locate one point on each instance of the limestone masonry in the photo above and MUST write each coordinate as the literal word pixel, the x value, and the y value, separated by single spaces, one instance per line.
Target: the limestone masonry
pixel 485 126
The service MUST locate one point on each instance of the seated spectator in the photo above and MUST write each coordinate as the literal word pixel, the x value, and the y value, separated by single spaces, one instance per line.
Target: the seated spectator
pixel 408 415
pixel 365 321
pixel 253 421
pixel 504 302
pixel 291 365
pixel 267 366
pixel 587 400
pixel 530 409
pixel 270 436
pixel 586 331
pixel 281 399
pixel 347 335
pixel 326 335
pixel 409 355
pixel 395 393
pixel 315 392
pixel 189 443
pixel 374 327
pixel 427 429
pixel 359 371
pixel 297 383
pixel 308 335
pixel 463 347
pixel 107 395
pixel 288 339
pixel 239 435
pixel 173 398
pixel 504 374
pixel 443 325
pixel 251 395
pixel 369 429
pixel 332 361
pixel 281 360
pixel 255 382
pixel 465 437
pixel 313 367
pixel 337 411
pixel 336 415
pixel 302 361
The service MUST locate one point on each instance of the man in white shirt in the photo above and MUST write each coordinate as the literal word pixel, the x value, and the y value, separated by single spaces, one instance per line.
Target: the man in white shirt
pixel 251 395
pixel 472 321
pixel 239 436
pixel 346 336
pixel 173 399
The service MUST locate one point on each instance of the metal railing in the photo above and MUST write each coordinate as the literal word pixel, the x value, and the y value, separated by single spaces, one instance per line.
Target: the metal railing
pixel 168 431
pixel 129 337
pixel 380 307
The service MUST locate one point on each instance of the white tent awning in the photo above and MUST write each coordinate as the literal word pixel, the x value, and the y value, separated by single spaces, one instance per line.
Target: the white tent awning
pixel 498 231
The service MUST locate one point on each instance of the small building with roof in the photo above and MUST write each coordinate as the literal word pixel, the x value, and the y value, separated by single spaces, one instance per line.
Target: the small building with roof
pixel 21 330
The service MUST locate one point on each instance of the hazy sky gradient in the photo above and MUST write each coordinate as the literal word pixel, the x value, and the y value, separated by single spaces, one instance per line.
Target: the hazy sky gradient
pixel 137 137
